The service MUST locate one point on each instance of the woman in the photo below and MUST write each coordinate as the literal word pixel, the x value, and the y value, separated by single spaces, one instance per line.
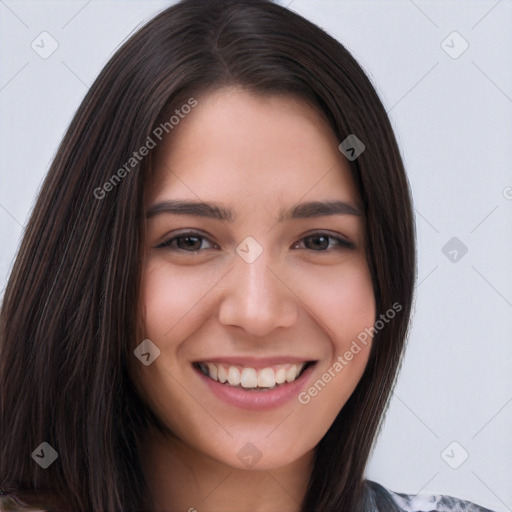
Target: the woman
pixel 210 303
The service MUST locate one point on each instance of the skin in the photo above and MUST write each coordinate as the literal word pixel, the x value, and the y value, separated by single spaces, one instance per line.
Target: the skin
pixel 304 297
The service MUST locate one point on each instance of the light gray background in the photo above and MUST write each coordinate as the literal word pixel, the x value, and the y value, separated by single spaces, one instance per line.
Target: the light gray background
pixel 452 118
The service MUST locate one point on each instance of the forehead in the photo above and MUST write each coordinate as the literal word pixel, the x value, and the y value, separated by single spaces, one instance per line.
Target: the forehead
pixel 235 144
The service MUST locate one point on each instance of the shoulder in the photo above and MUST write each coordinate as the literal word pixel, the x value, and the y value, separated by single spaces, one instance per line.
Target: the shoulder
pixel 380 499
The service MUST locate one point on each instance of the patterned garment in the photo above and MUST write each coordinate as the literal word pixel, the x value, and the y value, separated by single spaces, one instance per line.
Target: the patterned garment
pixel 380 499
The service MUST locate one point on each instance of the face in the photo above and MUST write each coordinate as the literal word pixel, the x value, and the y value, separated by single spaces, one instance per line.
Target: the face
pixel 256 273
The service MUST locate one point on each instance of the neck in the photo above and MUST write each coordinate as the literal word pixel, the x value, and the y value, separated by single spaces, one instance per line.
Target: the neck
pixel 181 479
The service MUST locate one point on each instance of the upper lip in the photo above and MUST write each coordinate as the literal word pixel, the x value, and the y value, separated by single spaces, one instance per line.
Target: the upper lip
pixel 255 362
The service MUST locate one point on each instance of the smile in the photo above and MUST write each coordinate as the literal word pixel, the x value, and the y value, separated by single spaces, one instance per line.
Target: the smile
pixel 251 378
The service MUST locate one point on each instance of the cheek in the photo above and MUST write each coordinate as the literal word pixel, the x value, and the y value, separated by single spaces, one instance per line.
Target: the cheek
pixel 344 304
pixel 341 299
pixel 172 307
pixel 171 299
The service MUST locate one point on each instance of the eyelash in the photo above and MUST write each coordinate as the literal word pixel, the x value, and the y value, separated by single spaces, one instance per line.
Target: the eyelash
pixel 340 242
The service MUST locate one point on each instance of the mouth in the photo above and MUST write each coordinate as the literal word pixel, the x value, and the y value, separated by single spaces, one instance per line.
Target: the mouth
pixel 249 378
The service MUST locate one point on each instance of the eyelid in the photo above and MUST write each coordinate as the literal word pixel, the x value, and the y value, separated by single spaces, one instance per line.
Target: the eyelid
pixel 183 234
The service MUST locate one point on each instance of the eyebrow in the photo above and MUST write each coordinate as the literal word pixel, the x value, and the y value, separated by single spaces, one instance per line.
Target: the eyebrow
pixel 218 212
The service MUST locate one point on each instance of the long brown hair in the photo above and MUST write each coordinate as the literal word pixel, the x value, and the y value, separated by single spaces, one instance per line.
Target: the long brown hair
pixel 69 318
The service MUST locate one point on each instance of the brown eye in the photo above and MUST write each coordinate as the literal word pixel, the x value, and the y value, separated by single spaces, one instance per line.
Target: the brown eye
pixel 323 242
pixel 317 242
pixel 187 242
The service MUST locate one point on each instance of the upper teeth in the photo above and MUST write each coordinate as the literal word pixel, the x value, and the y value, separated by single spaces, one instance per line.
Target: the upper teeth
pixel 250 377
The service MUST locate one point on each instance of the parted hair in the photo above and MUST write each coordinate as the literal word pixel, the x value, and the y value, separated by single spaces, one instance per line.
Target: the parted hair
pixel 70 316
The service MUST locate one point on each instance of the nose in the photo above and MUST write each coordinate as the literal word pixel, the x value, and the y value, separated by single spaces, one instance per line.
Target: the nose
pixel 256 298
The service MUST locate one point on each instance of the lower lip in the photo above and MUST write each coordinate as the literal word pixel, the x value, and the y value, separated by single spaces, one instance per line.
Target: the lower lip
pixel 257 400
